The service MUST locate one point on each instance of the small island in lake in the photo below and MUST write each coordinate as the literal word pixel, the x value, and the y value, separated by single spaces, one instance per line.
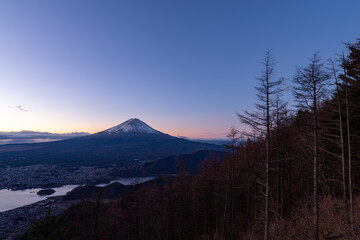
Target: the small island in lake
pixel 44 192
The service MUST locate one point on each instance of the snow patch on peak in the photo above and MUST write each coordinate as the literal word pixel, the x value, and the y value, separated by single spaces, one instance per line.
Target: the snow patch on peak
pixel 132 125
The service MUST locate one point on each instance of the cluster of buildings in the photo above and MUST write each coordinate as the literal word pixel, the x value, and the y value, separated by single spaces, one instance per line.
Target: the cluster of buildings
pixel 15 222
pixel 50 176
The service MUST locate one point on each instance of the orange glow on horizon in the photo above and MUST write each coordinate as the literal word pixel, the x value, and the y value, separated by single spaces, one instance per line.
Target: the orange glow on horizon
pixel 175 133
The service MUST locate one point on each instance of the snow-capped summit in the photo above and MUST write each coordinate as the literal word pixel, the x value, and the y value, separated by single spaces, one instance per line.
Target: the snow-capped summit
pixel 132 125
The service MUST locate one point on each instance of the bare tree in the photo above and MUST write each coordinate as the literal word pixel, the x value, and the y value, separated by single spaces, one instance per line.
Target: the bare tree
pixel 311 84
pixel 98 205
pixel 341 135
pixel 260 120
pixel 279 120
pixel 233 136
pixel 346 81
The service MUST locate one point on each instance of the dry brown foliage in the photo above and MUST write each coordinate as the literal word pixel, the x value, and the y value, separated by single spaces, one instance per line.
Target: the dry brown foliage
pixel 333 222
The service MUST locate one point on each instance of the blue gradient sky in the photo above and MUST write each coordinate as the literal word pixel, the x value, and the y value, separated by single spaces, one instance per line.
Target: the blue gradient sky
pixel 184 67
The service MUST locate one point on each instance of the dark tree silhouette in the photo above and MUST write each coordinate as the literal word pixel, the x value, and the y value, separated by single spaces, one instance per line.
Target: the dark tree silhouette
pixel 311 85
pixel 260 121
pixel 45 227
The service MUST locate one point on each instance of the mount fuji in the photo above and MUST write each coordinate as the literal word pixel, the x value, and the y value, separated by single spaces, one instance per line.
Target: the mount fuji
pixel 131 142
pixel 132 125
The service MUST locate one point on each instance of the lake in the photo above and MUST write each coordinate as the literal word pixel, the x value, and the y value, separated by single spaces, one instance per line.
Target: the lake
pixel 14 199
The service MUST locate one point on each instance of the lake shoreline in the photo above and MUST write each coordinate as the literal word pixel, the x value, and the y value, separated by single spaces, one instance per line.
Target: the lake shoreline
pixel 12 199
pixel 15 221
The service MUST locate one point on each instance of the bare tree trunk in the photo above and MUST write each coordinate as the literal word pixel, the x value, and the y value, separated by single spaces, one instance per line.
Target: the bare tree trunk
pixel 217 205
pixel 267 164
pixel 161 208
pixel 233 190
pixel 289 186
pixel 86 222
pixel 226 210
pixel 182 193
pixel 343 166
pixel 278 181
pixel 229 225
pixel 316 169
pixel 137 225
pixel 194 214
pixel 349 152
pixel 206 200
pixel 342 157
pixel 169 233
pixel 148 227
pixel 248 190
pixel 98 202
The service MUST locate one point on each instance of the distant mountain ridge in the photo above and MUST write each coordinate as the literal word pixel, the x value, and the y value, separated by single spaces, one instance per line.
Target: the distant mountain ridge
pixel 27 136
pixel 119 145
